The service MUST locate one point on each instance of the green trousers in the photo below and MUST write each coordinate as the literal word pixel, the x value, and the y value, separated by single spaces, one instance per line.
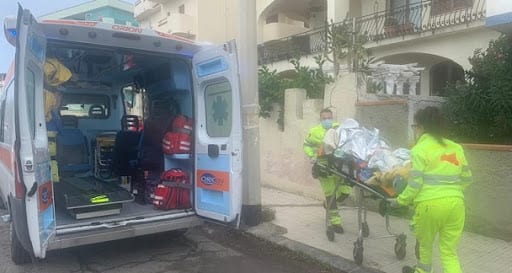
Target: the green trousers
pixel 328 184
pixel 444 217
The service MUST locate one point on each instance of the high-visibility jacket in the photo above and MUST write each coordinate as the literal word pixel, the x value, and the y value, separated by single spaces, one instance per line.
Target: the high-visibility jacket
pixel 438 171
pixel 314 140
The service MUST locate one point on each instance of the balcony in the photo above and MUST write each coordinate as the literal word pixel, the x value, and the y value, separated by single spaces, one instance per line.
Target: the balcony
pixel 274 31
pixel 145 8
pixel 178 24
pixel 384 25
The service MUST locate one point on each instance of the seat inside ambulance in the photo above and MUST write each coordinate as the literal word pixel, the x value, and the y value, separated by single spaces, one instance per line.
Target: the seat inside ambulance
pixel 115 107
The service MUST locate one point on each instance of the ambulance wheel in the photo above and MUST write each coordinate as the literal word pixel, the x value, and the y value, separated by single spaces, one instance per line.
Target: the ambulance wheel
pixel 365 230
pixel 400 246
pixel 18 254
pixel 330 234
pixel 358 251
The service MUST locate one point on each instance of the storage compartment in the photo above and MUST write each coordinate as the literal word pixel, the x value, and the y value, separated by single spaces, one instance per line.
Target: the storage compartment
pixel 115 111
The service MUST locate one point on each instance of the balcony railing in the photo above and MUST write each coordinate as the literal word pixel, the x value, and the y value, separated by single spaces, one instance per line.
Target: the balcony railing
pixel 400 22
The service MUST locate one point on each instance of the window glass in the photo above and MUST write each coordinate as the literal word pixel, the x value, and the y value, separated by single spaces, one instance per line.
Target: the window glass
pixel 218 109
pixel 31 97
pixel 85 106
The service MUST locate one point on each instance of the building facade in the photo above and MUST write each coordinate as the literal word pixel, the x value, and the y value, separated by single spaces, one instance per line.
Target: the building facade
pixel 109 11
pixel 201 20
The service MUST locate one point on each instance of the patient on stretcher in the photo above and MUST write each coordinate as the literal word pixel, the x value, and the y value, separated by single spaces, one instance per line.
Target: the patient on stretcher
pixel 380 167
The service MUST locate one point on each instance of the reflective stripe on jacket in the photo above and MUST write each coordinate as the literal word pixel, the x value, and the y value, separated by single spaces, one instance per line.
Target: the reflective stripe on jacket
pixel 437 171
pixel 315 139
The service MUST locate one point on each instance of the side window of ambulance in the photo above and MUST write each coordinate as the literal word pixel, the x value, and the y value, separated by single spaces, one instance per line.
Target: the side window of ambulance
pixel 218 103
pixel 31 97
pixel 6 109
pixel 85 106
pixel 3 98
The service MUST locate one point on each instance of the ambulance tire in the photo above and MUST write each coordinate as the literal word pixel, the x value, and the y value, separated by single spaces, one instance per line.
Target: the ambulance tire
pixel 18 254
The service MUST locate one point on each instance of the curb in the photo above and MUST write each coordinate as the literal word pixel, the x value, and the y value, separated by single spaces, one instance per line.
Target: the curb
pixel 274 234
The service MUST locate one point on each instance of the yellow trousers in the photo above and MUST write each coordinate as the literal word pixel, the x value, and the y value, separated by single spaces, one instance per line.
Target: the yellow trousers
pixel 444 217
pixel 328 184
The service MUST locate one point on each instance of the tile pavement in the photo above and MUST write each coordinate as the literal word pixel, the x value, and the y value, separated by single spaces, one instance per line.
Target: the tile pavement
pixel 304 220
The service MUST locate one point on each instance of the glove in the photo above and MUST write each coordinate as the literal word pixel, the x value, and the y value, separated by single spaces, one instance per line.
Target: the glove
pixel 393 203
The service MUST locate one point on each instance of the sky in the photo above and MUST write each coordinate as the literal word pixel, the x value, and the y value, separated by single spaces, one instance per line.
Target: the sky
pixel 38 8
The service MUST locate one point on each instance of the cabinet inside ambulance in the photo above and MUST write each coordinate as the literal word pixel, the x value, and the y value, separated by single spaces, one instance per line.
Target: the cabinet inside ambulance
pixel 120 133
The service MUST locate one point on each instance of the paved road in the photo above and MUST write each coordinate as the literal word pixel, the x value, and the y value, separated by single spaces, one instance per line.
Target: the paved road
pixel 208 249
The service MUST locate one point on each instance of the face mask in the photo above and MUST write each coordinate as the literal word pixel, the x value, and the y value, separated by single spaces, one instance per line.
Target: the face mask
pixel 327 123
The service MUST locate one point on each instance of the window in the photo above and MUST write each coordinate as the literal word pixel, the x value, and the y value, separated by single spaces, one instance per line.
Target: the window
pixel 218 109
pixel 85 106
pixel 30 87
pixel 181 9
pixel 444 6
pixel 132 101
pixel 2 111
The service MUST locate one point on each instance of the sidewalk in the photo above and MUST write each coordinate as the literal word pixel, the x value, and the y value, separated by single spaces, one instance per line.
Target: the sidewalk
pixel 302 228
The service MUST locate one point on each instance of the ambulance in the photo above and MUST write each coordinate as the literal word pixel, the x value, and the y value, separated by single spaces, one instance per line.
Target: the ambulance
pixel 98 178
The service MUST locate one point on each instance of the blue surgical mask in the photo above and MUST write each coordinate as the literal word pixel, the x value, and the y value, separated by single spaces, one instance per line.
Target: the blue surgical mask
pixel 327 123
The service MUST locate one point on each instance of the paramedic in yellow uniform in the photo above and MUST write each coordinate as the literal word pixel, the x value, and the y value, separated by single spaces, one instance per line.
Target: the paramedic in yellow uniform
pixel 436 186
pixel 312 144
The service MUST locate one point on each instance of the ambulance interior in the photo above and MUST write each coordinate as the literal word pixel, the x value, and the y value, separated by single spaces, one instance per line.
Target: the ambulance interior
pixel 115 108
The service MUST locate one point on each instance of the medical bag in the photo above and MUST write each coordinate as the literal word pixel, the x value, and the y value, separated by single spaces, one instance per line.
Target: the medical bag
pixel 174 191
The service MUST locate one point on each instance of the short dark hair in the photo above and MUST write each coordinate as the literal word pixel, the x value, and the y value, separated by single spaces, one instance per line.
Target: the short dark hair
pixel 431 120
pixel 326 110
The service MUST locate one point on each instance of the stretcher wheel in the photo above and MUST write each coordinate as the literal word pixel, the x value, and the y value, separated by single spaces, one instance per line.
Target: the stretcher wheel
pixel 365 230
pixel 400 246
pixel 358 251
pixel 330 234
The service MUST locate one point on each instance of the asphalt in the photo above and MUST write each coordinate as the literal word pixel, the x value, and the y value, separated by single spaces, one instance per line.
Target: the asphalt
pixel 299 225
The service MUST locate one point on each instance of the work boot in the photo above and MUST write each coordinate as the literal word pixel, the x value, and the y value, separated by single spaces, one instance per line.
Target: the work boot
pixel 408 269
pixel 338 229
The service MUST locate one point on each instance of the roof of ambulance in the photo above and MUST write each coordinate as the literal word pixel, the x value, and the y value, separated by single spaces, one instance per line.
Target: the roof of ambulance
pixel 123 35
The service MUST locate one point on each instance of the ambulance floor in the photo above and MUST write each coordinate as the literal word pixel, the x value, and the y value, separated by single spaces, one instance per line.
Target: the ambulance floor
pixel 128 210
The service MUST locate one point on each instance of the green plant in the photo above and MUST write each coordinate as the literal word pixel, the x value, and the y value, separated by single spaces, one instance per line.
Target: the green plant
pixel 344 44
pixel 271 90
pixel 313 80
pixel 272 86
pixel 480 109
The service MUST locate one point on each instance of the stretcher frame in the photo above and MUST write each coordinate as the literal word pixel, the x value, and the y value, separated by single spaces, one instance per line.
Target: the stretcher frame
pixel 348 173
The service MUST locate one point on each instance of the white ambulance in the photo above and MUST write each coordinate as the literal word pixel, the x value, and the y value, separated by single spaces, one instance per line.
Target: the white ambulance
pixel 115 71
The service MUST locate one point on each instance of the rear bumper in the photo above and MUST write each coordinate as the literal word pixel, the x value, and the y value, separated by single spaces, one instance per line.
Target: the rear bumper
pixel 121 232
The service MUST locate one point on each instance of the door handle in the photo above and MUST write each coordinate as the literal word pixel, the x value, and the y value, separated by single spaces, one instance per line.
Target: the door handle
pixel 32 190
pixel 29 166
pixel 213 150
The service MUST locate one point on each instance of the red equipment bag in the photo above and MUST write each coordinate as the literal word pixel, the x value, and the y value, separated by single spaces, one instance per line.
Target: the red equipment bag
pixel 182 124
pixel 176 143
pixel 174 192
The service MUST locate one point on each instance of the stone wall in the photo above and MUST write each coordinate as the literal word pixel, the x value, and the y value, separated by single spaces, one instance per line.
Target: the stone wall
pixel 489 198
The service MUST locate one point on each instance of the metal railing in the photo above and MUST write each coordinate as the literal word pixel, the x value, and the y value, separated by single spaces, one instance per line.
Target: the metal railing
pixel 400 22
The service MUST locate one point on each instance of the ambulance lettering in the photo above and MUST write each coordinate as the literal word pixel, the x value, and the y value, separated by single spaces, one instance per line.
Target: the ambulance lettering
pixel 127 28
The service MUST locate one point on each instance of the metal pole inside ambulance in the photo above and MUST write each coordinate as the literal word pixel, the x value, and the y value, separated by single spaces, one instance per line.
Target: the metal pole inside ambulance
pixel 248 68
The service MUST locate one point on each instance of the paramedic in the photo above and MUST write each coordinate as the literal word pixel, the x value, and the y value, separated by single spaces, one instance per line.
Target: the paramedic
pixel 312 147
pixel 436 186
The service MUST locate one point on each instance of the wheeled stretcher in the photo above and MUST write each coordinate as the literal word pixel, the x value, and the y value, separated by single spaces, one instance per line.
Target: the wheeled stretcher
pixel 350 171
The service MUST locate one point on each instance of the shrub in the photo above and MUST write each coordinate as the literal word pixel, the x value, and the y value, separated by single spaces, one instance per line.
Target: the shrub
pixel 480 109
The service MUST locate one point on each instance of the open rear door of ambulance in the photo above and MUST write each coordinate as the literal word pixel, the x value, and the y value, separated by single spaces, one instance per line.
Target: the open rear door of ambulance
pixel 33 158
pixel 218 144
